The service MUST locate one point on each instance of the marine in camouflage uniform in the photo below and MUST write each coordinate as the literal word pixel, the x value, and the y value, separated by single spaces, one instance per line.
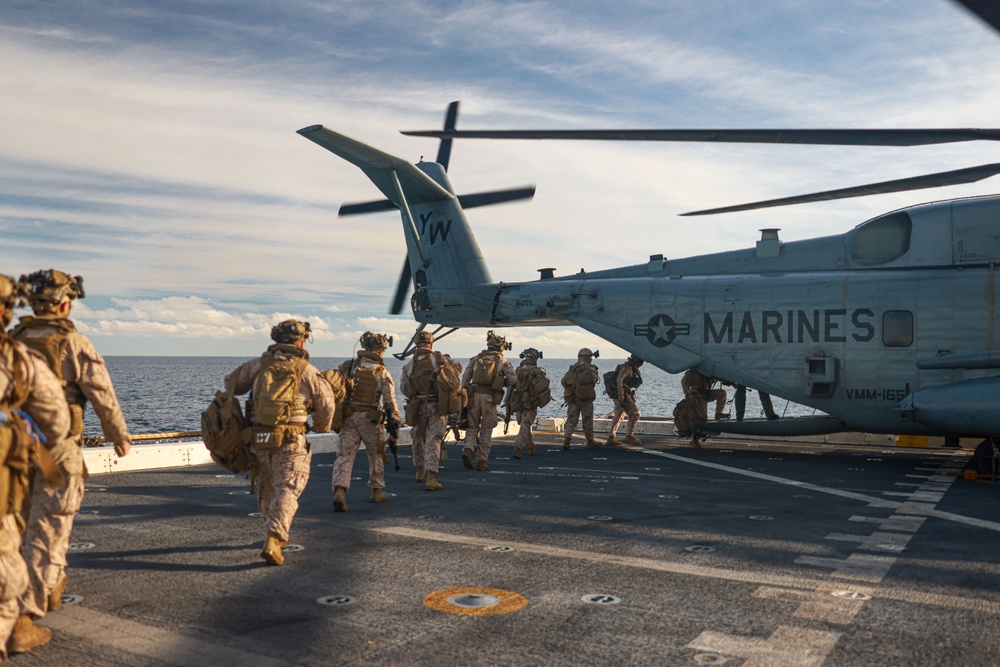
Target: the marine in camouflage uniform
pixel 483 400
pixel 577 407
pixel 372 385
pixel 282 473
pixel 73 359
pixel 526 413
pixel 698 387
pixel 428 425
pixel 627 381
pixel 26 383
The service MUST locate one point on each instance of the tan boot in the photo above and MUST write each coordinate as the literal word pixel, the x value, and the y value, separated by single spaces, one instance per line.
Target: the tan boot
pixel 420 474
pixel 378 496
pixel 432 483
pixel 340 499
pixel 566 442
pixel 272 550
pixel 593 444
pixel 482 466
pixel 632 440
pixel 517 453
pixel 27 635
pixel 532 449
pixel 55 597
pixel 467 458
pixel 613 441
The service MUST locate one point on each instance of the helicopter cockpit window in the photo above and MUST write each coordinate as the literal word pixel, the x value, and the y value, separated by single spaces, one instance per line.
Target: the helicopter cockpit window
pixel 882 239
pixel 897 328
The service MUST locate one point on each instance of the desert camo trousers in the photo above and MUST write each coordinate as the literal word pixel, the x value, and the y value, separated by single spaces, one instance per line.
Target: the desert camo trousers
pixel 46 539
pixel 483 419
pixel 13 579
pixel 282 475
pixel 574 411
pixel 623 408
pixel 525 418
pixel 428 434
pixel 359 428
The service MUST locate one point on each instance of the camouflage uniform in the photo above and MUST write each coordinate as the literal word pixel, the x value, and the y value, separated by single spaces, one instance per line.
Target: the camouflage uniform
pixel 50 519
pixel 698 386
pixel 282 473
pixel 627 380
pixel 46 404
pixel 482 410
pixel 526 413
pixel 430 426
pixel 362 424
pixel 578 407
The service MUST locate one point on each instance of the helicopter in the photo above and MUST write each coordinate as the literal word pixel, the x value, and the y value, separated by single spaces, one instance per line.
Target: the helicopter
pixel 890 327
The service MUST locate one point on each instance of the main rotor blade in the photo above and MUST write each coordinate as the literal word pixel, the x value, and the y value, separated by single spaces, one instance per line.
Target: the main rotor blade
pixel 957 177
pixel 872 137
pixel 444 150
pixel 987 10
pixel 467 201
pixel 401 289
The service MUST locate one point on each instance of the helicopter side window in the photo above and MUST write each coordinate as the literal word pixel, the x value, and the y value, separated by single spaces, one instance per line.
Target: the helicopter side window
pixel 883 239
pixel 897 328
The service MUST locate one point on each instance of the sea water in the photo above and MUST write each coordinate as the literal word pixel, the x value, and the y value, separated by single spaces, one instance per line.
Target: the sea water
pixel 168 394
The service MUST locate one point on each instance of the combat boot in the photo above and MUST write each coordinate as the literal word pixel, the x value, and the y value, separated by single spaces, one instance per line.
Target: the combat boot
pixel 593 444
pixel 55 597
pixel 432 483
pixel 613 441
pixel 632 440
pixel 27 635
pixel 482 466
pixel 420 474
pixel 566 442
pixel 378 496
pixel 467 458
pixel 517 453
pixel 272 550
pixel 340 499
pixel 532 449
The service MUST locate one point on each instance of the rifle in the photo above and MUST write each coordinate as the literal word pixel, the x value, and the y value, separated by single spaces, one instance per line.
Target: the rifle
pixel 506 420
pixel 392 430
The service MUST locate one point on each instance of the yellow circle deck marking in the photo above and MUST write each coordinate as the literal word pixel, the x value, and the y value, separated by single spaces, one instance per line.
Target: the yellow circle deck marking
pixel 438 601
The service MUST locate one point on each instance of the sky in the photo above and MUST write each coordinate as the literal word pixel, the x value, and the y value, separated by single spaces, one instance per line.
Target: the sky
pixel 150 146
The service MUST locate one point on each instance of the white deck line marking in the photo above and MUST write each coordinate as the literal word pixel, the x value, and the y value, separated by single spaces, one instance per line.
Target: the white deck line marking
pixel 153 642
pixel 911 508
pixel 742 576
pixel 788 646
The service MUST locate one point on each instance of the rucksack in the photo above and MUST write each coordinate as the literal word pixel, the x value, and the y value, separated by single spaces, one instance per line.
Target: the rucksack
pixel 225 431
pixel 338 383
pixel 278 416
pixel 611 382
pixel 580 383
pixel 452 397
pixel 687 417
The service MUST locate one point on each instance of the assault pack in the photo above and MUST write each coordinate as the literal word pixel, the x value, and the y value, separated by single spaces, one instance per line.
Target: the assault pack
pixel 53 348
pixel 486 375
pixel 531 390
pixel 633 381
pixel 225 431
pixel 338 383
pixel 579 383
pixel 434 375
pixel 688 416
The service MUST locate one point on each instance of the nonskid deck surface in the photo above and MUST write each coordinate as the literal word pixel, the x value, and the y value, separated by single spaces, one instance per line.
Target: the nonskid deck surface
pixel 736 553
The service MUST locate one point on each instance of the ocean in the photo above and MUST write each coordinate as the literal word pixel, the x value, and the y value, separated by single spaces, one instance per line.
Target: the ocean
pixel 167 394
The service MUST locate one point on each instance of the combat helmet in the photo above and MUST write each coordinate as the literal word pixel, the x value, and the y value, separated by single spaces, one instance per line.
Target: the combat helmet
pixel 635 360
pixel 423 338
pixel 494 341
pixel 52 287
pixel 531 354
pixel 11 296
pixel 588 353
pixel 375 342
pixel 290 331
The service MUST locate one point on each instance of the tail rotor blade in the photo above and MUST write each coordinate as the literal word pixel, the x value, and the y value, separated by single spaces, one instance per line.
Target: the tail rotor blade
pixel 402 288
pixel 496 197
pixel 444 150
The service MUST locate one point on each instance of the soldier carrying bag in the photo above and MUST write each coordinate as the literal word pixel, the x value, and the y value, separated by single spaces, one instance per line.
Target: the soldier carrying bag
pixel 225 431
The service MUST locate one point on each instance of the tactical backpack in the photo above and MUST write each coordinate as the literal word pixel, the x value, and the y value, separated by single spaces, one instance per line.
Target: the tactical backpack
pixel 338 383
pixel 53 348
pixel 452 397
pixel 486 375
pixel 579 383
pixel 531 390
pixel 611 382
pixel 225 431
pixel 278 416
pixel 688 416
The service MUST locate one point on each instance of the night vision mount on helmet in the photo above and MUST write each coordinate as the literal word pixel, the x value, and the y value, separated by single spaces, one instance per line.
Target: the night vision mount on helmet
pixel 290 331
pixel 52 286
pixel 375 342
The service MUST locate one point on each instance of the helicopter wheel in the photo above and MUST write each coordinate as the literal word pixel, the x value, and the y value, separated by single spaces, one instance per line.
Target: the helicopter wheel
pixel 986 458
